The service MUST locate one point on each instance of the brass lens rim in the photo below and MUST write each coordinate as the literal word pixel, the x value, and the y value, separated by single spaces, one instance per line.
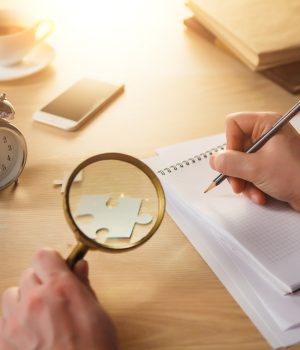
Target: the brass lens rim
pixel 92 244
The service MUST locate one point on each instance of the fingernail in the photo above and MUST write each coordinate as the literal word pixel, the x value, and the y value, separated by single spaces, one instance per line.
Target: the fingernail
pixel 254 198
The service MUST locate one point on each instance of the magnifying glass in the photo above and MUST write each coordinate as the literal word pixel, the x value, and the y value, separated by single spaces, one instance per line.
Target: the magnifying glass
pixel 113 202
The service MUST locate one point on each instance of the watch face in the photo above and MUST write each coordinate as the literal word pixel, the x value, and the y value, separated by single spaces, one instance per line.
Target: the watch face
pixel 12 155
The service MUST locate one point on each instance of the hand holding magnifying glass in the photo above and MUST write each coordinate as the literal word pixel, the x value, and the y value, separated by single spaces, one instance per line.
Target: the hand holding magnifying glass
pixel 118 205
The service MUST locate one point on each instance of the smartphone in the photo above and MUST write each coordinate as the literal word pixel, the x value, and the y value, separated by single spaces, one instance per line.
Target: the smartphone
pixel 78 103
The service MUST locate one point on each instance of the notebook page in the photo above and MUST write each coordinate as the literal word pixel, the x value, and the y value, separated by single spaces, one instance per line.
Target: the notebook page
pixel 271 313
pixel 265 236
pixel 296 123
pixel 284 309
pixel 272 320
pixel 220 262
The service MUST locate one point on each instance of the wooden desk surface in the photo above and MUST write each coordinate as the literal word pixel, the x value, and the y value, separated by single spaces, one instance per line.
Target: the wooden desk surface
pixel 162 296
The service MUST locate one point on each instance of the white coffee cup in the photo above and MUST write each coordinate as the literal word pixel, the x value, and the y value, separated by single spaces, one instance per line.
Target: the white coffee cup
pixel 19 34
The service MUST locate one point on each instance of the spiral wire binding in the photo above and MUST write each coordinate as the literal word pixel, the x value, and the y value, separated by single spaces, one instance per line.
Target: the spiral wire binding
pixel 190 161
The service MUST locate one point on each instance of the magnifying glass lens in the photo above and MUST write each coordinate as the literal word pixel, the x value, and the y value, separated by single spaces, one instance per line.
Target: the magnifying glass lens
pixel 114 204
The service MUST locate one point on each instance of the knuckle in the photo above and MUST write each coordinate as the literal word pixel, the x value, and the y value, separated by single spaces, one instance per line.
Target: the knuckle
pixel 221 162
pixel 27 274
pixel 40 253
pixel 34 302
pixel 43 253
pixel 232 117
pixel 62 286
pixel 270 118
pixel 229 119
pixel 273 115
pixel 8 293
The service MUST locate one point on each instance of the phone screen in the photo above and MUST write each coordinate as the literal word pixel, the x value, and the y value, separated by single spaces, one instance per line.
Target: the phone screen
pixel 81 99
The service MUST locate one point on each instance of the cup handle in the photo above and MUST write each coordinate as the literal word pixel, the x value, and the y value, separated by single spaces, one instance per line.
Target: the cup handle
pixel 43 29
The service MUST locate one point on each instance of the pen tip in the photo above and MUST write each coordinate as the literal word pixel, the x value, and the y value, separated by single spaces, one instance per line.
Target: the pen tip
pixel 210 187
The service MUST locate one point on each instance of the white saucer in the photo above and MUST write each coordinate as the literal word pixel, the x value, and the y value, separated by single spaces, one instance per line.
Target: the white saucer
pixel 35 61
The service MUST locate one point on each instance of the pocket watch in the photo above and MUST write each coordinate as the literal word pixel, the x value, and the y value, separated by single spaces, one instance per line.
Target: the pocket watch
pixel 13 149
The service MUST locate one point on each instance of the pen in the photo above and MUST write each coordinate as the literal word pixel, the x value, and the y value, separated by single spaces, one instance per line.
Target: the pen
pixel 262 140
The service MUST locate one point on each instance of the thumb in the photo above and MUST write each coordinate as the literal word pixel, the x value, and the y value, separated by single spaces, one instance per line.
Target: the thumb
pixel 81 270
pixel 235 164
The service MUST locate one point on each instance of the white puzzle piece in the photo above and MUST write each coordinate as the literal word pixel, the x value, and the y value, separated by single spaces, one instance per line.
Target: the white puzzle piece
pixel 63 182
pixel 118 219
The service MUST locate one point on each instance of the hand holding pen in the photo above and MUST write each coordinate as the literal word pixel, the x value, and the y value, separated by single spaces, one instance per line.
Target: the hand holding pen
pixel 273 169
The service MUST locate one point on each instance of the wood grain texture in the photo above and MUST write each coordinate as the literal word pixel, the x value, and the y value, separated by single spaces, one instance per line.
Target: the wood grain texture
pixel 178 86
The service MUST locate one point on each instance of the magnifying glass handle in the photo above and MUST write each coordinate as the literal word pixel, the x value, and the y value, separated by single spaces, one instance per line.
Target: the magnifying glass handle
pixel 76 254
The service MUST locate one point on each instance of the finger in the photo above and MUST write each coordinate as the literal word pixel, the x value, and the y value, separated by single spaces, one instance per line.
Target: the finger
pixel 10 301
pixel 236 164
pixel 255 194
pixel 29 281
pixel 48 263
pixel 4 343
pixel 238 185
pixel 243 128
pixel 81 270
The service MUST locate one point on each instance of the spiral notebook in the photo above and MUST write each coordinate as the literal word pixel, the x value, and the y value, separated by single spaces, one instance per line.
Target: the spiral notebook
pixel 276 316
pixel 247 246
pixel 265 237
